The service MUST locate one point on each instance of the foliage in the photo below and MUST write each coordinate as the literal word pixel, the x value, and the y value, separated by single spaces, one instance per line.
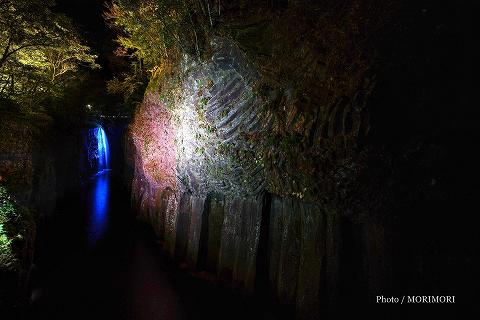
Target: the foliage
pixel 12 227
pixel 41 52
pixel 130 85
pixel 6 210
pixel 155 30
pixel 154 33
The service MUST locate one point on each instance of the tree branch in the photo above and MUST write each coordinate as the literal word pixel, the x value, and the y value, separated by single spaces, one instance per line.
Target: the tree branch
pixel 7 53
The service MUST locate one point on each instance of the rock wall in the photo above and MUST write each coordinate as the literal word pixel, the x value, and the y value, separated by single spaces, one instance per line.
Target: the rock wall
pixel 200 179
pixel 269 161
pixel 204 164
pixel 38 163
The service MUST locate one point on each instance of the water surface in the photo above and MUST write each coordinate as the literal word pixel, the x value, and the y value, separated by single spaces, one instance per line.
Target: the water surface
pixel 97 262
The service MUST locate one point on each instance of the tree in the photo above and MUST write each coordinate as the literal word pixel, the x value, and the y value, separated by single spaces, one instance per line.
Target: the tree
pixel 156 32
pixel 40 51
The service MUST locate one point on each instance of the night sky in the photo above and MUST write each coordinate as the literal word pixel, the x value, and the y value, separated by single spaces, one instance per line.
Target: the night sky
pixel 87 14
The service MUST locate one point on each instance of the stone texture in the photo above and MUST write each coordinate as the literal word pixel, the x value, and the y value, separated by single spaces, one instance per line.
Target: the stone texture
pixel 197 206
pixel 265 110
pixel 215 222
pixel 285 241
pixel 239 241
pixel 216 112
pixel 312 259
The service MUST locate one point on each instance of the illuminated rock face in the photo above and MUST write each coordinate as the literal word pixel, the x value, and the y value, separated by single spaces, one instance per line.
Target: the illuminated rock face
pixel 199 176
pixel 278 174
pixel 235 171
pixel 153 137
pixel 218 119
pixel 204 151
pixel 154 185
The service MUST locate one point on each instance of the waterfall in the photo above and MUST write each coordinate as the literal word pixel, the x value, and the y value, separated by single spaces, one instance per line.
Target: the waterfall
pixel 103 151
pixel 98 149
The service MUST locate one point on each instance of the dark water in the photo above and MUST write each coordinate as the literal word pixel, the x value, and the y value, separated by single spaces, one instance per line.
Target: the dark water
pixel 97 262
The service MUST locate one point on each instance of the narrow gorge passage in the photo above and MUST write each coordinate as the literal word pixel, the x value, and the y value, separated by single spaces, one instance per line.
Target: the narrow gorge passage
pixel 103 264
pixel 240 159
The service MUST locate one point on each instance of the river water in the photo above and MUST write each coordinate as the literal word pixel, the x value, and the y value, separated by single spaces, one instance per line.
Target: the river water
pixel 96 261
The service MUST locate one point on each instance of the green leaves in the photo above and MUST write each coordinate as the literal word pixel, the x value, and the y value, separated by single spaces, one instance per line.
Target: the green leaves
pixel 7 215
pixel 16 224
pixel 143 31
pixel 40 52
pixel 153 35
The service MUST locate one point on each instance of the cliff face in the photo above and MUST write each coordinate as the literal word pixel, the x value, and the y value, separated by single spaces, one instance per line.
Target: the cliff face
pixel 38 163
pixel 209 149
pixel 268 161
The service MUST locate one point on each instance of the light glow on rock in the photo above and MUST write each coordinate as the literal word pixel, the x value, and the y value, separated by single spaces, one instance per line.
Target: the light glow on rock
pixel 153 136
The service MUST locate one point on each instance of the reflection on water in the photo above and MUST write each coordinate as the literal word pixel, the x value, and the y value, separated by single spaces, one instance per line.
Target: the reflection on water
pixel 99 200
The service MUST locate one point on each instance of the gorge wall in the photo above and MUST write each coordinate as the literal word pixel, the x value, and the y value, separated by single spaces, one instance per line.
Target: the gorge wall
pixel 33 173
pixel 296 155
pixel 41 159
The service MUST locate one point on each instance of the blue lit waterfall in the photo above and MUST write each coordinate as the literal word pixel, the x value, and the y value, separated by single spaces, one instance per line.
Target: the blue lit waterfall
pixel 103 150
pixel 98 150
pixel 99 162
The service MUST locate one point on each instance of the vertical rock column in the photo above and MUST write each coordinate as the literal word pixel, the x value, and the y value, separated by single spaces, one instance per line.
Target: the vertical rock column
pixel 189 228
pixel 313 258
pixel 239 241
pixel 285 244
pixel 214 236
pixel 304 256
